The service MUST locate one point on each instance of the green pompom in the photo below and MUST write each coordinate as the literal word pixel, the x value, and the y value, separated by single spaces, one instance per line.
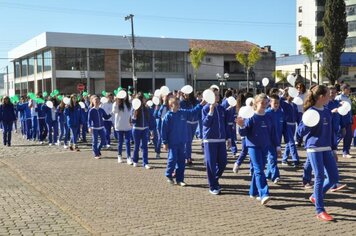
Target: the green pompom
pixel 45 94
pixel 103 93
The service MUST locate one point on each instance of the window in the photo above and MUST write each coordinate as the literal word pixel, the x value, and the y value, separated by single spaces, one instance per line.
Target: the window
pixel 39 62
pixel 319 31
pixel 344 70
pixel 169 61
pixel 300 24
pixel 208 60
pixel 320 3
pixel 71 59
pixel 319 15
pixel 351 26
pixel 350 10
pixel 350 42
pixel 24 64
pixel 47 59
pixel 17 69
pixel 299 37
pixel 96 59
pixel 31 65
pixel 300 9
pixel 297 71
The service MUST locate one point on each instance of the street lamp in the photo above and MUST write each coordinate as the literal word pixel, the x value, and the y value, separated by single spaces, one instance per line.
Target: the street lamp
pixel 134 77
pixel 318 59
pixel 222 81
pixel 305 72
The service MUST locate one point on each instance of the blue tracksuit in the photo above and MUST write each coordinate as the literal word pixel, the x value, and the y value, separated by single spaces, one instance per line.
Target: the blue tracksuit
pixel 291 114
pixel 159 115
pixel 96 123
pixel 42 127
pixel 34 119
pixel 139 132
pixel 277 116
pixel 318 142
pixel 175 133
pixel 63 127
pixel 84 122
pixel 346 122
pixel 215 133
pixel 231 116
pixel 26 116
pixel 7 117
pixel 73 120
pixel 51 119
pixel 260 135
pixel 192 123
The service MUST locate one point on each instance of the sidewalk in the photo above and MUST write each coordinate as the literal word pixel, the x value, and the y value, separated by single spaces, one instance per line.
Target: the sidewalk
pixel 107 198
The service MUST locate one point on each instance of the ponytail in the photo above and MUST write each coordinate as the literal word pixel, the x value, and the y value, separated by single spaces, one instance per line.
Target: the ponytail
pixel 313 95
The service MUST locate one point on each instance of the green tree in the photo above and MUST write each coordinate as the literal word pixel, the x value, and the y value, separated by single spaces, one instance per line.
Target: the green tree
pixel 248 61
pixel 335 28
pixel 308 50
pixel 282 76
pixel 196 58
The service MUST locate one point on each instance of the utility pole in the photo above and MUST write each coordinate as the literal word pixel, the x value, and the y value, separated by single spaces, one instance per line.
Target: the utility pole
pixel 7 81
pixel 134 77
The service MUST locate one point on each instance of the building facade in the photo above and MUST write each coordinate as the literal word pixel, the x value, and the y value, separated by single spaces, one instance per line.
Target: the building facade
pixel 221 58
pixel 299 65
pixel 67 62
pixel 351 20
pixel 99 62
pixel 310 14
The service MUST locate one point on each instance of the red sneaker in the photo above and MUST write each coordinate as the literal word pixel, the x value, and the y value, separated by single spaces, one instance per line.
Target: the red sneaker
pixel 324 216
pixel 312 199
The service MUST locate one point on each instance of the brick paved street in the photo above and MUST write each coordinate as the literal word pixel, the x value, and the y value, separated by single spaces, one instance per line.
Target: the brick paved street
pixel 51 191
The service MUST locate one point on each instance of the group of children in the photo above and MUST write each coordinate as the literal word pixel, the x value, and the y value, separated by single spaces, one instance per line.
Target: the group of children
pixel 173 123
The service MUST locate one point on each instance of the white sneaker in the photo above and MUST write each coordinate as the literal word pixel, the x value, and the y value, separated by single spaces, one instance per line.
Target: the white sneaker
pixel 147 167
pixel 265 200
pixel 41 142
pixel 129 161
pixel 119 159
pixel 134 164
pixel 50 144
pixel 65 147
pixel 236 168
pixel 182 184
pixel 258 198
pixel 276 181
pixel 347 156
pixel 108 146
pixel 97 157
pixel 58 143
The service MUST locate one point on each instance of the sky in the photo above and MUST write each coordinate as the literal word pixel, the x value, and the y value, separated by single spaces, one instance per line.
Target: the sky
pixel 262 22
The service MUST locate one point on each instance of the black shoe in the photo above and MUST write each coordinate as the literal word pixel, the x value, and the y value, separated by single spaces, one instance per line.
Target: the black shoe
pixel 296 164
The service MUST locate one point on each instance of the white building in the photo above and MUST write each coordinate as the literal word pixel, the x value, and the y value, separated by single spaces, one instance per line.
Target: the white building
pixel 310 15
pixel 98 62
pixel 351 19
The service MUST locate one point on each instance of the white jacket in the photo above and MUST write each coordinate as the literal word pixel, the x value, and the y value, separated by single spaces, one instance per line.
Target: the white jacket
pixel 121 118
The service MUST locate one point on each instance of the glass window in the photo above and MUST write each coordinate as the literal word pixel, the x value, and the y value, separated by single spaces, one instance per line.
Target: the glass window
pixel 169 61
pixel 125 60
pixel 300 9
pixel 47 58
pixel 31 65
pixel 143 61
pixel 319 31
pixel 39 62
pixel 320 3
pixel 24 64
pixel 319 15
pixel 71 59
pixel 97 59
pixel 351 26
pixel 17 69
pixel 350 10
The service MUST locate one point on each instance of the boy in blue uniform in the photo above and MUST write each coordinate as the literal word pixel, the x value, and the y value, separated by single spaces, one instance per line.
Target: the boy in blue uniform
pixel 215 134
pixel 175 134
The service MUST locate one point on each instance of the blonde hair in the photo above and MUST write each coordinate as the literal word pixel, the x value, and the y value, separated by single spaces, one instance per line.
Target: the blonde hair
pixel 258 98
pixel 314 93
